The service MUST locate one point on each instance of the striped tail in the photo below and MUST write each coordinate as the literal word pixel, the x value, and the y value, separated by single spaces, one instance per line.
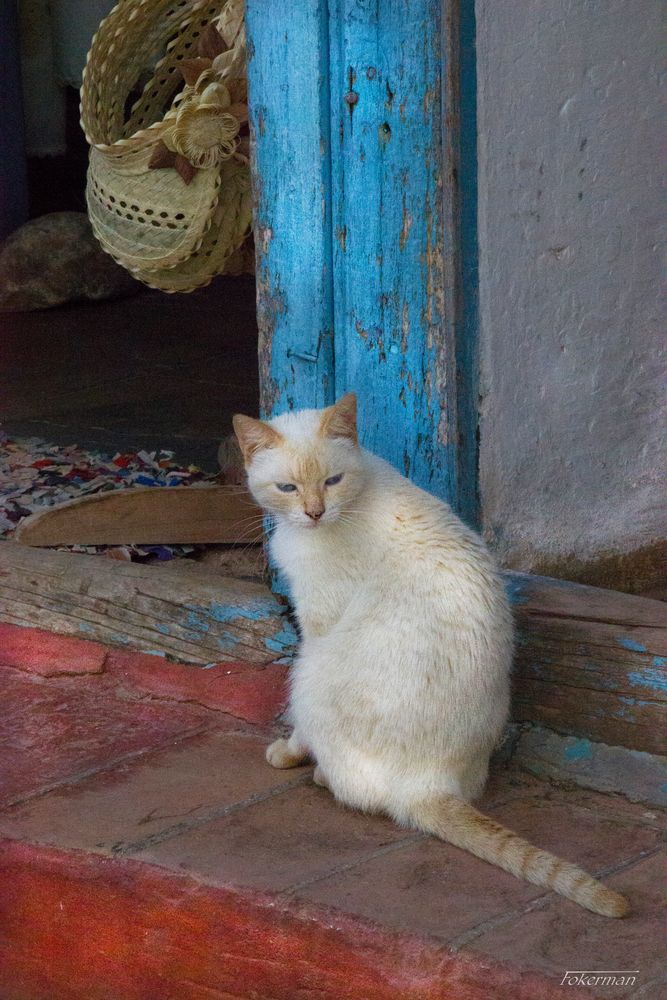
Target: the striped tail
pixel 460 824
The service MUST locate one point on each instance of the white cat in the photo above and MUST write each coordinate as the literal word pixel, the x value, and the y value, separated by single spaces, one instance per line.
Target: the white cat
pixel 400 690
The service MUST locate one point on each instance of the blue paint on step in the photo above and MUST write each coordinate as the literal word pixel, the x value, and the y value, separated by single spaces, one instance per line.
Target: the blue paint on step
pixel 195 622
pixel 632 645
pixel 285 639
pixel 227 641
pixel 515 590
pixel 581 750
pixel 656 680
pixel 255 612
pixel 200 617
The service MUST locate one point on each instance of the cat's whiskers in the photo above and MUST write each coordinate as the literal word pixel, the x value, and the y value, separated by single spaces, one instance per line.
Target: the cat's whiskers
pixel 249 528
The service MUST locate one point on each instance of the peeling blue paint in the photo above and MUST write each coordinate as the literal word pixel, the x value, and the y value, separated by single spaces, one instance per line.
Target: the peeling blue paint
pixel 163 629
pixel 660 661
pixel 200 617
pixel 387 156
pixel 274 646
pixel 226 640
pixel 284 639
pixel 85 627
pixel 515 590
pixel 256 612
pixel 635 701
pixel 154 652
pixel 649 678
pixel 124 640
pixel 288 79
pixel 195 622
pixel 632 645
pixel 581 750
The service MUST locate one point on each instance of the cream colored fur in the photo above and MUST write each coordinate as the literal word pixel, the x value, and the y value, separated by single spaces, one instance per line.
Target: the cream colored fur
pixel 400 690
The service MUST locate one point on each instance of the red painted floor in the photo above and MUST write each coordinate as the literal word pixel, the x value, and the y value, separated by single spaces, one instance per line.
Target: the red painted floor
pixel 149 852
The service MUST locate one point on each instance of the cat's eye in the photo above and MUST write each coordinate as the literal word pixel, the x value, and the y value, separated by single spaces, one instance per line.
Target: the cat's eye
pixel 286 487
pixel 332 480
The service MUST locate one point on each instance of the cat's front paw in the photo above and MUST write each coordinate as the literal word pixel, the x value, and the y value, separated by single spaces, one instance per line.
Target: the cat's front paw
pixel 279 754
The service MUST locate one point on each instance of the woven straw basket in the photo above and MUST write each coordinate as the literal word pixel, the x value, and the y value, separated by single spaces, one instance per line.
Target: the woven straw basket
pixel 168 180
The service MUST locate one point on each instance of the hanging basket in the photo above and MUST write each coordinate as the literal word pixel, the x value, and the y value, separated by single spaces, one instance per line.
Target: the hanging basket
pixel 164 109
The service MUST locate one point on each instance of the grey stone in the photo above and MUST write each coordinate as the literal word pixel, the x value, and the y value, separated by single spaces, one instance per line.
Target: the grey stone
pixel 56 259
pixel 639 776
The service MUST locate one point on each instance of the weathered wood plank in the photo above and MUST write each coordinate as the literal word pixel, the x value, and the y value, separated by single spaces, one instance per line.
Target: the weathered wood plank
pixel 590 662
pixel 545 596
pixel 180 610
pixel 393 232
pixel 149 516
pixel 288 80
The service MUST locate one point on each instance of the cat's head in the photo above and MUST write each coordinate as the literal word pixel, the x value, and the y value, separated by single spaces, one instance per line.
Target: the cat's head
pixel 305 467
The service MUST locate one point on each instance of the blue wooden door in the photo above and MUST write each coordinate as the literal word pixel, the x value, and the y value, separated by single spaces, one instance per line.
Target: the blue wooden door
pixel 353 108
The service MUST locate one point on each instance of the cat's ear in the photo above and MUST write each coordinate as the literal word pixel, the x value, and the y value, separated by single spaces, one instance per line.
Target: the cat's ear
pixel 254 435
pixel 340 420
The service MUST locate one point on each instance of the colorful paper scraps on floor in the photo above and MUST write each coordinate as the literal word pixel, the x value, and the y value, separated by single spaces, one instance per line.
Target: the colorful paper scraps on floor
pixel 35 474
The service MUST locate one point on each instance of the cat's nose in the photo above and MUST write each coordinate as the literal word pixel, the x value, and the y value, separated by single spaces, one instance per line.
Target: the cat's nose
pixel 315 513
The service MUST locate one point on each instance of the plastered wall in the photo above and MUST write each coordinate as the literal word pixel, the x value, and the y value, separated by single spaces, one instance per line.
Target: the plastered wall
pixel 572 444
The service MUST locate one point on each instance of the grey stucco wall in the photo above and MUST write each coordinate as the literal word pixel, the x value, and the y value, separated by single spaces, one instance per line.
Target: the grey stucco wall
pixel 571 441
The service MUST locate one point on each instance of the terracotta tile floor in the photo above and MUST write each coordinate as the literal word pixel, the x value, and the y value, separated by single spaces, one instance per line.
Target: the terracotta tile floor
pixel 91 767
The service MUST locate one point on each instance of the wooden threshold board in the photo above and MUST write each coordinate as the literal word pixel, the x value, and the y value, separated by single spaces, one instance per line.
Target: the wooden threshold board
pixel 149 516
pixel 179 609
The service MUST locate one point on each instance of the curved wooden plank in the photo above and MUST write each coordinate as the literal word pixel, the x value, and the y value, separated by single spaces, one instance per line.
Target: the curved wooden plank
pixel 148 515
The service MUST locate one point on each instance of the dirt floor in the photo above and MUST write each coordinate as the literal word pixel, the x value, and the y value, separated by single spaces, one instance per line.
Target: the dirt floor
pixel 151 371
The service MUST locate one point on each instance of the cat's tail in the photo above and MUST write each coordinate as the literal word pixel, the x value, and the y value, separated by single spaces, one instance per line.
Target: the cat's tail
pixel 461 824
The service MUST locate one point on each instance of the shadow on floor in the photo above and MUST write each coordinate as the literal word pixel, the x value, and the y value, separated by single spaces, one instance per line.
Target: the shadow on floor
pixel 147 372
